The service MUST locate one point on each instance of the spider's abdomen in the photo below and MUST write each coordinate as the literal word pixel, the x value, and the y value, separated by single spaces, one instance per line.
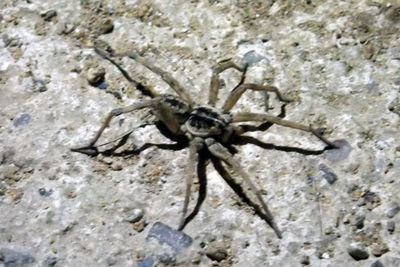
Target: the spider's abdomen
pixel 205 121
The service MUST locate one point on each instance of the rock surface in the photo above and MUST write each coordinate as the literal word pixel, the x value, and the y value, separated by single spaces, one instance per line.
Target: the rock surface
pixel 338 61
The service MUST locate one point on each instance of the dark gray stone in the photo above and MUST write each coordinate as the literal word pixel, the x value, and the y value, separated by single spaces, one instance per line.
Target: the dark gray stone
pixel 22 120
pixel 328 174
pixel 377 263
pixel 102 85
pixel 45 193
pixel 49 15
pixel 393 210
pixel 358 252
pixel 305 260
pixel 359 221
pixel 390 226
pixel 166 235
pixel 15 258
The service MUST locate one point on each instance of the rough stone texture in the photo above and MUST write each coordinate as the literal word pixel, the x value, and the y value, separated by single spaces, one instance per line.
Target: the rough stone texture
pixel 338 60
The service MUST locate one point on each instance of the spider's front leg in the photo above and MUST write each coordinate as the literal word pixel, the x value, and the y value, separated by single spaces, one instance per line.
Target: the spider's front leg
pixel 157 105
pixel 237 92
pixel 216 71
pixel 90 149
pixel 222 153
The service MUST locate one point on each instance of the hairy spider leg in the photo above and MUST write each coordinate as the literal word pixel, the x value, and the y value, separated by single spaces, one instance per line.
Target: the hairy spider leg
pixel 249 116
pixel 222 153
pixel 237 92
pixel 165 76
pixel 215 84
pixel 195 145
pixel 145 90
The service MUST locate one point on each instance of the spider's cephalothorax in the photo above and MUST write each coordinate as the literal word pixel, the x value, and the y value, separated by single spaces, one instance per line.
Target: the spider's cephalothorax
pixel 206 127
pixel 208 122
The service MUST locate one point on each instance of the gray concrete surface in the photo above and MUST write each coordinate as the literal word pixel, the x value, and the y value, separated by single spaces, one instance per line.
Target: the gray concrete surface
pixel 338 60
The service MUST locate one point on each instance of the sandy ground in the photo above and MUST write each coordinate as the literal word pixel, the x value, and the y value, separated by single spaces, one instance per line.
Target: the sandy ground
pixel 338 61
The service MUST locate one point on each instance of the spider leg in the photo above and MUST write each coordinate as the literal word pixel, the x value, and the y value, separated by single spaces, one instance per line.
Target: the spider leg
pixel 237 92
pixel 237 188
pixel 195 146
pixel 165 76
pixel 214 84
pixel 115 112
pixel 243 128
pixel 222 153
pixel 202 176
pixel 138 85
pixel 248 116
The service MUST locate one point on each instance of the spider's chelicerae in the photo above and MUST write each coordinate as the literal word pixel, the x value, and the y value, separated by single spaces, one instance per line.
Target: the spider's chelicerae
pixel 209 132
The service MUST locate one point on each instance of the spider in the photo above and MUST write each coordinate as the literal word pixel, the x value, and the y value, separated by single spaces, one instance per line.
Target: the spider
pixel 209 132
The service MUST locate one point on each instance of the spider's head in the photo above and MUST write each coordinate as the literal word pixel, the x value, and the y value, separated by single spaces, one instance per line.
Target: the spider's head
pixel 206 121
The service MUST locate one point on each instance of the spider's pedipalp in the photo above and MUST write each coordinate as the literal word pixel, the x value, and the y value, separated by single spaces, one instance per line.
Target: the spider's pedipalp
pixel 222 153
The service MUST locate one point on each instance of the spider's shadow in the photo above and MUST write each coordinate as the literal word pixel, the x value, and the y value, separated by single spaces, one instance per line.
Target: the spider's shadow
pixel 205 157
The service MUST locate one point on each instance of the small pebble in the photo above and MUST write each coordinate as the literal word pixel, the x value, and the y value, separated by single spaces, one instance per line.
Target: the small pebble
pixel 49 15
pixel 22 120
pixel 305 260
pixel 40 85
pixel 390 226
pixel 216 251
pixel 358 252
pixel 393 210
pixel 43 192
pixel 105 26
pixel 327 173
pixel 377 263
pixel 116 166
pixel 102 85
pixel 175 239
pixel 359 221
pixel 95 75
pixel 134 215
pixel 378 249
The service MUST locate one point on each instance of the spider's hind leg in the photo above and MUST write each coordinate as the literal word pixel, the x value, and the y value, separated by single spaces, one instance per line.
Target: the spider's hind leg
pixel 222 153
pixel 195 146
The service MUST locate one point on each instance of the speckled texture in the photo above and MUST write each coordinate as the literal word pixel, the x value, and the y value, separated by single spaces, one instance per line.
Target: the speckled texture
pixel 338 60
